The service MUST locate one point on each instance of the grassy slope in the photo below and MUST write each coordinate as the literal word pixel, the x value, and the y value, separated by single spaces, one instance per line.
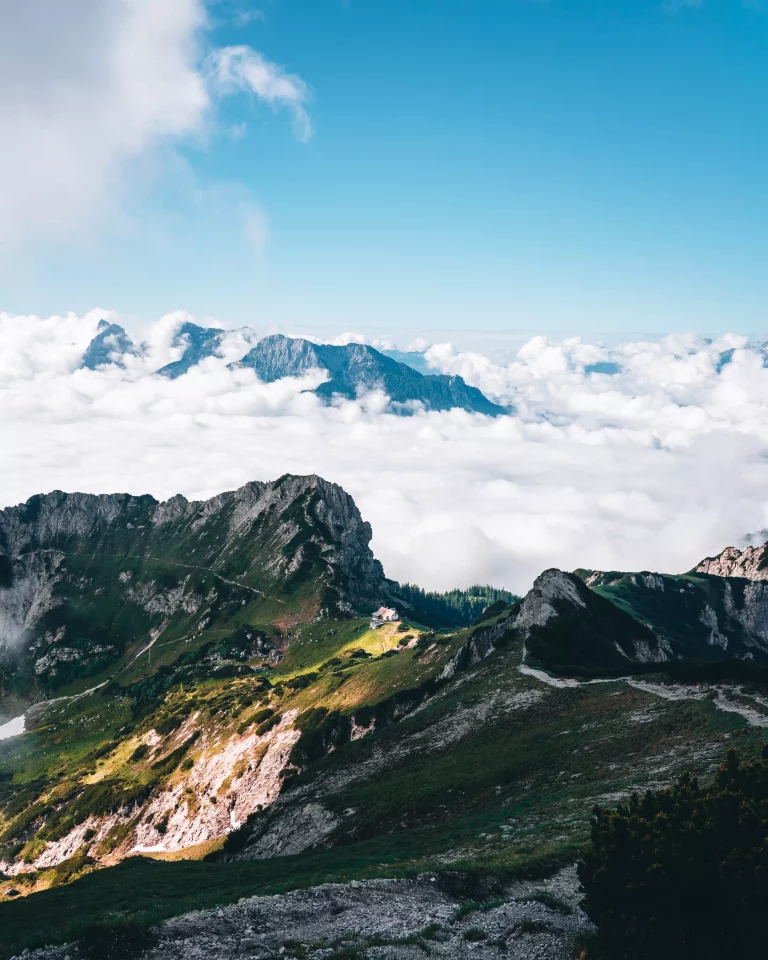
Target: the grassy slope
pixel 497 772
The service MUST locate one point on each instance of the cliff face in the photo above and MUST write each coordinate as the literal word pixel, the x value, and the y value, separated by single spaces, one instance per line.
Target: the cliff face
pixel 750 563
pixel 83 577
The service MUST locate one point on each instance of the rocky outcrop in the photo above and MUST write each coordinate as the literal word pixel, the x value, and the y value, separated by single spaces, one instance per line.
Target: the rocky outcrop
pixel 551 590
pixel 750 563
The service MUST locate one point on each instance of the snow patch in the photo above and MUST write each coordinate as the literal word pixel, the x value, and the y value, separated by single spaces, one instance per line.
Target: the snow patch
pixel 13 728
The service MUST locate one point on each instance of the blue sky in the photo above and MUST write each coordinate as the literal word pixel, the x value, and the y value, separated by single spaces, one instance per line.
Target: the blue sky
pixel 474 166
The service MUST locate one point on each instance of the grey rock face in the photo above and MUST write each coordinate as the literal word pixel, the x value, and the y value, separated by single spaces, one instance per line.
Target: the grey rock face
pixel 568 627
pixel 750 563
pixel 300 829
pixel 538 606
pixel 357 368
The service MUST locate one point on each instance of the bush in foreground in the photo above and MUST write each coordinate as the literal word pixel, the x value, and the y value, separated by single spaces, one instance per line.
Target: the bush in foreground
pixel 683 873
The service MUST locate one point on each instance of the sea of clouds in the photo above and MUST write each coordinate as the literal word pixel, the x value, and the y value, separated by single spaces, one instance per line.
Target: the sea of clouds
pixel 642 456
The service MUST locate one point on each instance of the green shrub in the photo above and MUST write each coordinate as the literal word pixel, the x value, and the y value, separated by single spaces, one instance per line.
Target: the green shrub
pixel 168 764
pixel 258 717
pixel 302 681
pixel 167 724
pixel 68 869
pixel 24 820
pixel 267 725
pixel 139 753
pixel 683 873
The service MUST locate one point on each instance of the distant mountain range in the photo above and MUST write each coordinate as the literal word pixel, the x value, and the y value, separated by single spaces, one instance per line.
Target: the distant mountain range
pixel 356 368
pixel 352 370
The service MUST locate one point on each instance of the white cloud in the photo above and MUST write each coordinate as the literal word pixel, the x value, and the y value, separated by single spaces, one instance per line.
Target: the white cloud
pixel 653 468
pixel 90 90
pixel 241 68
pixel 85 87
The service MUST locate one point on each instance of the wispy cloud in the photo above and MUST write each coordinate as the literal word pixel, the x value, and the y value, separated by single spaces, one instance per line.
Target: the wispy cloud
pixel 242 68
pixel 254 15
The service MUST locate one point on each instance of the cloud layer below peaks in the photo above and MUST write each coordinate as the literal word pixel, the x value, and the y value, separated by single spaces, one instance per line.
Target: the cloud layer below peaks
pixel 645 456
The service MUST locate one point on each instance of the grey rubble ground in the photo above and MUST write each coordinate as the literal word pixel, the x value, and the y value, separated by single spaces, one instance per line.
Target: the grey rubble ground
pixel 377 919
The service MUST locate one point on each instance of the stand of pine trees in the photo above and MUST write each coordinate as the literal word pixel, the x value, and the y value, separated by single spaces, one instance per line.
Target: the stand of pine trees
pixel 454 607
pixel 683 873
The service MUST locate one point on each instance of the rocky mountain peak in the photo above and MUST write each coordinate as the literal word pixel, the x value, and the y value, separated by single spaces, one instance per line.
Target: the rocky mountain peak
pixel 551 589
pixel 290 512
pixel 751 563
pixel 110 345
pixel 84 576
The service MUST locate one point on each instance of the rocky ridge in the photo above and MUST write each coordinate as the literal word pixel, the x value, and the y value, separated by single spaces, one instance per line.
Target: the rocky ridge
pixel 131 566
pixel 750 563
